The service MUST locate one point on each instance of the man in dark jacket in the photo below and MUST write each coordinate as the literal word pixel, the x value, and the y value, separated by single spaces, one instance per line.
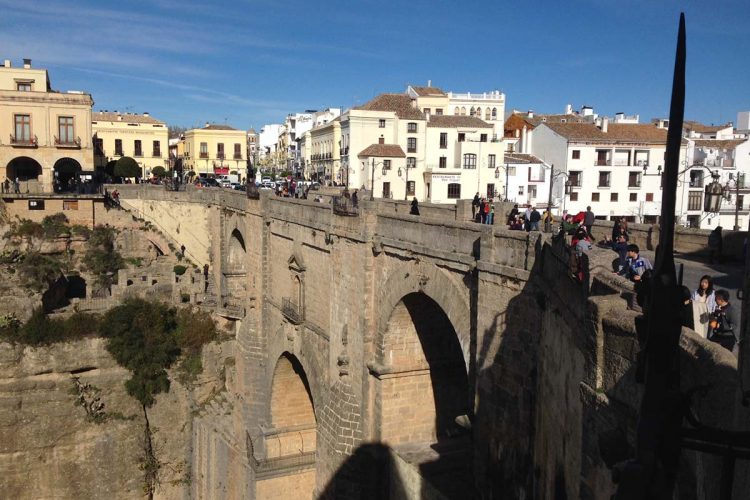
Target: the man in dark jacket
pixel 720 322
pixel 534 219
pixel 474 206
pixel 588 220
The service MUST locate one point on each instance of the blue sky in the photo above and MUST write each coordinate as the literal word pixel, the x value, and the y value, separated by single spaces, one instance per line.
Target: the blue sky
pixel 250 62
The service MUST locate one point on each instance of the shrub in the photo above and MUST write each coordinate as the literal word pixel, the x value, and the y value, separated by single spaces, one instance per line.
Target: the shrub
pixel 158 172
pixel 79 230
pixel 39 271
pixel 190 367
pixel 40 329
pixel 134 261
pixel 55 225
pixel 27 228
pixel 141 338
pixel 179 270
pixel 195 328
pixel 102 259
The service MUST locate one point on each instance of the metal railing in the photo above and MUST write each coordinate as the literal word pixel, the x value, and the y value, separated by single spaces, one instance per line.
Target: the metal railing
pixel 75 143
pixel 292 311
pixel 24 141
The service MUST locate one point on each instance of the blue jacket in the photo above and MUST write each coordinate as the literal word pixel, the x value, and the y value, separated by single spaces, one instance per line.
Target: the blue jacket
pixel 635 267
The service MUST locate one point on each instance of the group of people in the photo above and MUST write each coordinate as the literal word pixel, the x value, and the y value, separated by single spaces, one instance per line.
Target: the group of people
pixel 528 220
pixel 708 313
pixel 482 210
pixel 10 186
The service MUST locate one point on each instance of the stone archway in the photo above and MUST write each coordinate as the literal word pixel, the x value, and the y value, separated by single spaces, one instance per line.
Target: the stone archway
pixel 290 442
pixel 66 170
pixel 23 168
pixel 237 251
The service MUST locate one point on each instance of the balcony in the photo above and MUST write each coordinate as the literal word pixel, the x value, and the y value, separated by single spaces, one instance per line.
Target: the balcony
pixel 69 143
pixel 291 311
pixel 237 156
pixel 156 154
pixel 204 155
pixel 220 155
pixel 24 142
pixel 603 163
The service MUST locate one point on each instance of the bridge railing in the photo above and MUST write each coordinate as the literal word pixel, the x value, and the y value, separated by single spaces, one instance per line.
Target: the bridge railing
pixel 343 205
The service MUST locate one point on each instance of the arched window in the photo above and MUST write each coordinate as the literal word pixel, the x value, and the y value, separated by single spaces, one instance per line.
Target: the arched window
pixel 487 114
pixel 472 111
pixel 463 111
pixel 456 111
pixel 494 113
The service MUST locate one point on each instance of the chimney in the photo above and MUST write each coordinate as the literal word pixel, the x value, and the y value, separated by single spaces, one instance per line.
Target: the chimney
pixel 145 113
pixel 119 117
pixel 605 124
pixel 27 64
pixel 6 63
pixel 530 113
pixel 569 109
pixel 207 124
pixel 524 140
pixel 429 83
pixel 587 111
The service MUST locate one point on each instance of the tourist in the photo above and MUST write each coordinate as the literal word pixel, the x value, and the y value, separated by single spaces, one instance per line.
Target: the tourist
pixel 355 199
pixel 620 240
pixel 580 245
pixel 474 206
pixel 486 211
pixel 704 303
pixel 17 186
pixel 715 244
pixel 547 218
pixel 512 215
pixel 414 207
pixel 635 264
pixel 491 215
pixel 534 218
pixel 479 217
pixel 588 219
pixel 720 323
pixel 568 226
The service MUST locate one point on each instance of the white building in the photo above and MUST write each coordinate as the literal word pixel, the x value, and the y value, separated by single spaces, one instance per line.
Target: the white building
pixel 268 139
pixel 614 168
pixel 528 181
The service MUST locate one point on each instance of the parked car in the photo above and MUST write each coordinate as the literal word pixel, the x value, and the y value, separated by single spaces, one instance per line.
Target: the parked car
pixel 237 186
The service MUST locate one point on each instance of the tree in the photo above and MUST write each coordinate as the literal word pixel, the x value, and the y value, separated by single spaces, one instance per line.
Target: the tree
pixel 127 167
pixel 159 172
pixel 102 258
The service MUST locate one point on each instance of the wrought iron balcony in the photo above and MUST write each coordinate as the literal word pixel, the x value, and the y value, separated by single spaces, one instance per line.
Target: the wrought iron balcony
pixel 24 142
pixel 220 155
pixel 291 311
pixel 204 155
pixel 73 144
pixel 237 156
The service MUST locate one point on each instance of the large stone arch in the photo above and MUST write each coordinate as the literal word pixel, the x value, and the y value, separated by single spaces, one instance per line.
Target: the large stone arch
pixel 23 168
pixel 291 400
pixel 419 277
pixel 64 170
pixel 237 250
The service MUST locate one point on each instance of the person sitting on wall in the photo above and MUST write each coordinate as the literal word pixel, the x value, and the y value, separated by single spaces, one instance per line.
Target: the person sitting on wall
pixel 720 323
pixel 635 264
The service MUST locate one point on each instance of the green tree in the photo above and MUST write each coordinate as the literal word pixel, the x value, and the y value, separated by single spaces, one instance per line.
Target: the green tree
pixel 159 172
pixel 127 167
pixel 102 258
pixel 39 271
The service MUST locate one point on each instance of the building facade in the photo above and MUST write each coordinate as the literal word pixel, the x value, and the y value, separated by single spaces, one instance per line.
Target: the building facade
pixel 215 150
pixel 45 135
pixel 614 168
pixel 139 136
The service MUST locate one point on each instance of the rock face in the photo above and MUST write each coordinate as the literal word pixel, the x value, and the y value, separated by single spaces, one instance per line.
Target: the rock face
pixel 51 448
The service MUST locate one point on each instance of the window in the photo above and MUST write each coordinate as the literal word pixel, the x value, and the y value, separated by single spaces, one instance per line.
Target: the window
pixel 696 178
pixel 536 173
pixel 695 200
pixel 443 140
pixel 634 179
pixel 381 123
pixel 603 179
pixel 494 113
pixel 443 162
pixel 23 86
pixel 575 178
pixel 461 137
pixel 412 128
pixel 613 197
pixel 594 196
pixel 470 160
pixel 411 188
pixel 576 154
pixel 740 201
pixel 98 146
pixel 454 191
pixel 521 190
pixel 23 128
pixel 574 196
pixel 411 162
pixel 381 140
pixel 70 204
pixel 386 164
pixel 633 196
pixel 472 112
pixel 439 111
pixel 426 111
pixel 649 196
pixel 220 150
pixel 118 147
pixel 511 171
pixel 65 129
pixel 204 150
pixel 491 159
pixel 490 191
pixel 532 192
pixel 138 150
pixel 411 145
pixel 386 190
pixel 483 138
pixel 237 151
pixel 156 152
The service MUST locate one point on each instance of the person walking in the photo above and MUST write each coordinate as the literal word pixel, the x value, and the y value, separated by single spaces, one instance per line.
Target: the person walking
pixel 588 220
pixel 491 216
pixel 474 206
pixel 480 213
pixel 715 244
pixel 534 219
pixel 355 199
pixel 704 303
pixel 414 207
pixel 486 212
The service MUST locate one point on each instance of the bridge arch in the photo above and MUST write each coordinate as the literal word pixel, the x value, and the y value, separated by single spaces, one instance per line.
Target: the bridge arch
pixel 421 360
pixel 237 250
pixel 291 397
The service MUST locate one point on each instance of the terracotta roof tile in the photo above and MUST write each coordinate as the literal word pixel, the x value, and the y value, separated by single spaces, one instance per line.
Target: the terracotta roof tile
pixel 719 143
pixel 616 132
pixel 108 116
pixel 383 151
pixel 453 121
pixel 520 158
pixel 401 104
pixel 214 126
pixel 703 129
pixel 428 91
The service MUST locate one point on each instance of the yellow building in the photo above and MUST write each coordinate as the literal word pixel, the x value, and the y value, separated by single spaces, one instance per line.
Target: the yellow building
pixel 214 150
pixel 142 137
pixel 45 135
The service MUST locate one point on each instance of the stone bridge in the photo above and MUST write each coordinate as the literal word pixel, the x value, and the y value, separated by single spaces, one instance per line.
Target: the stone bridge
pixel 385 355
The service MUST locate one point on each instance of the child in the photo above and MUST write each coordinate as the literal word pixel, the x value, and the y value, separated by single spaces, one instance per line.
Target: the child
pixel 720 322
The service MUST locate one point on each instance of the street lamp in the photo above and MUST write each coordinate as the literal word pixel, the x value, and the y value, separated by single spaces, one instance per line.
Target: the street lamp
pixel 726 193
